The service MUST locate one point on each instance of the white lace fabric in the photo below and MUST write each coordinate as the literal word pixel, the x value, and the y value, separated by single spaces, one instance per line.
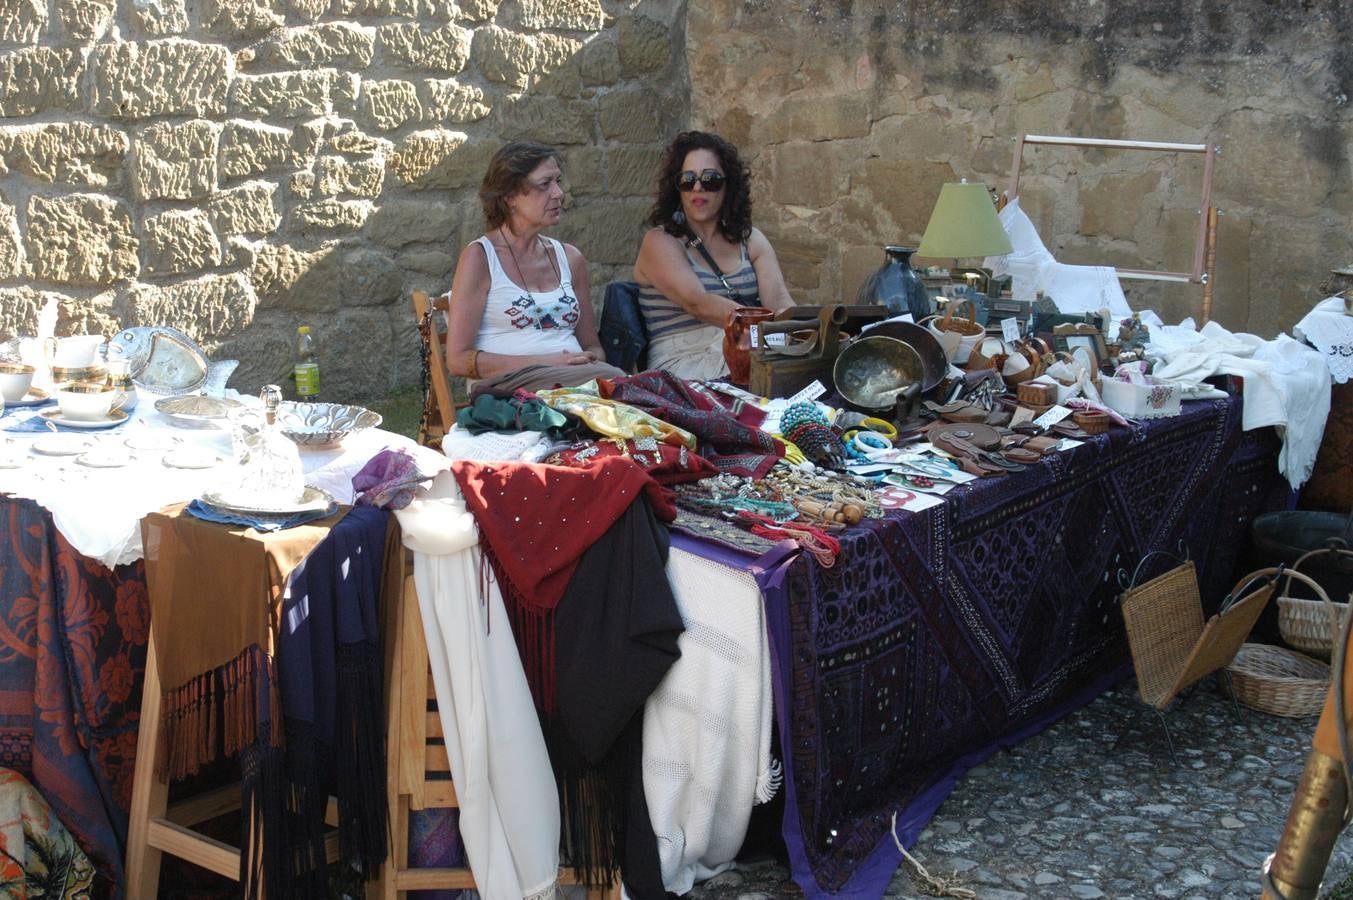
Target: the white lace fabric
pixel 1329 328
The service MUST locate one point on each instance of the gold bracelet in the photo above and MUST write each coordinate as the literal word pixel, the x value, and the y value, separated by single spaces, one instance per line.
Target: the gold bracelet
pixel 474 364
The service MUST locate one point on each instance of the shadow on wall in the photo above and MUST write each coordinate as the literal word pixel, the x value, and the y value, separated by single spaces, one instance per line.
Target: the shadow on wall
pixel 331 169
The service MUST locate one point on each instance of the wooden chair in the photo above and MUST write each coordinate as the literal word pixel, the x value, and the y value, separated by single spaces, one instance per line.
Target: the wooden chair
pixel 439 406
pixel 1172 647
pixel 418 773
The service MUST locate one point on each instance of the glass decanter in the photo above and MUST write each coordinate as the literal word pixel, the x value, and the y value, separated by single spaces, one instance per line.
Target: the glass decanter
pixel 269 475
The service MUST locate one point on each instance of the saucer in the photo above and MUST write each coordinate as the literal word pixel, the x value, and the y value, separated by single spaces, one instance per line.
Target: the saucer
pixel 112 420
pixel 61 444
pixel 103 459
pixel 146 439
pixel 34 397
pixel 190 458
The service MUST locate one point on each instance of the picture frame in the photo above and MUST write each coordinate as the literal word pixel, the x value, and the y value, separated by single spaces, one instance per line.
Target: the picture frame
pixel 1094 343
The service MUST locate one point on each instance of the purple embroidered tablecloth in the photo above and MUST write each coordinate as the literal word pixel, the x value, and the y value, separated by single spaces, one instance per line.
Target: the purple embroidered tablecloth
pixel 942 635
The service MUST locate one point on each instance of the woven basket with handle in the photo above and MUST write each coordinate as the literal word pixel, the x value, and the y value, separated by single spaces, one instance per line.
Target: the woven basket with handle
pixel 1310 625
pixel 1279 681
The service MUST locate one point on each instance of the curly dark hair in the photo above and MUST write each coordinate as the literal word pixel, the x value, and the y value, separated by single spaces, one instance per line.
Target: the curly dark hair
pixel 508 170
pixel 735 215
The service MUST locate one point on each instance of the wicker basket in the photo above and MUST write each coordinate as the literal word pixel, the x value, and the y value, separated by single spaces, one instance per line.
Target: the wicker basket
pixel 1279 681
pixel 1311 626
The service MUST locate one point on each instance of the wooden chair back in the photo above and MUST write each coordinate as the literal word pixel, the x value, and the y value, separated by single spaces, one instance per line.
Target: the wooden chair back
pixel 439 408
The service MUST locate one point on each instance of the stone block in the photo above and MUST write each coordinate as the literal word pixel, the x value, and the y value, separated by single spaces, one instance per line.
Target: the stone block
pixel 278 268
pixel 283 94
pixel 330 44
pixel 1113 205
pixel 438 159
pixel 309 10
pixel 171 77
pixel 549 120
pixel 600 64
pixel 406 9
pixel 332 277
pixel 477 10
pixel 247 148
pixel 178 241
pixel 630 114
pixel 905 189
pixel 12 262
pixel 80 239
pixel 552 54
pixel 802 262
pixel 608 232
pixel 84 20
pixel 353 142
pixel 40 78
pixel 88 315
pixel 645 44
pixel 814 119
pixel 328 214
pixel 73 153
pixel 633 171
pixel 386 105
pixel 336 175
pixel 585 171
pixel 504 56
pixel 248 209
pixel 557 15
pixel 428 261
pixel 206 309
pixel 161 17
pixel 19 307
pixel 445 48
pixel 22 21
pixel 400 222
pixel 448 100
pixel 241 18
pixel 176 162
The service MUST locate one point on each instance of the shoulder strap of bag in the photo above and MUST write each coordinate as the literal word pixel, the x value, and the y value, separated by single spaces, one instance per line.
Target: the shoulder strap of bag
pixel 699 245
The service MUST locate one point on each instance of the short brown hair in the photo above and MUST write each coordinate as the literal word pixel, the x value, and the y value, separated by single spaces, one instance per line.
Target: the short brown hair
pixel 507 171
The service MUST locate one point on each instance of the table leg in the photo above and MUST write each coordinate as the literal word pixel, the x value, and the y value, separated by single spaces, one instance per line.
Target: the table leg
pixel 150 796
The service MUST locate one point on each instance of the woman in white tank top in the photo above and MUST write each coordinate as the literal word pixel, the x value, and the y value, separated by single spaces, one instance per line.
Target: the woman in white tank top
pixel 520 300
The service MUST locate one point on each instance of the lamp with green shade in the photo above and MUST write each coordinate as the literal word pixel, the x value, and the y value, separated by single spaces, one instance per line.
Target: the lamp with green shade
pixel 964 224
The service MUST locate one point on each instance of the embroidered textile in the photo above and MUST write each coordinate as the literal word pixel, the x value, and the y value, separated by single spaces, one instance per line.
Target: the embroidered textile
pixel 609 418
pixel 663 462
pixel 38 856
pixel 941 631
pixel 731 445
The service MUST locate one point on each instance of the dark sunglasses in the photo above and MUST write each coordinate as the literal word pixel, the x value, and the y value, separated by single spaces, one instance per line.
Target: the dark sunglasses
pixel 710 179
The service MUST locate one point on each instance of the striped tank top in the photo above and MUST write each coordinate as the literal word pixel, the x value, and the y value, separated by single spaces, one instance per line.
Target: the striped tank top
pixel 663 317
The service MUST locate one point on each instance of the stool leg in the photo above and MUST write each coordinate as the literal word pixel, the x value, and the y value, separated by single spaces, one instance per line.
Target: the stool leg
pixel 150 796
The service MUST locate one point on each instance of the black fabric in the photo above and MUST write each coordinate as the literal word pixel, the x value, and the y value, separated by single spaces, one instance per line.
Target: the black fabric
pixel 618 625
pixel 622 331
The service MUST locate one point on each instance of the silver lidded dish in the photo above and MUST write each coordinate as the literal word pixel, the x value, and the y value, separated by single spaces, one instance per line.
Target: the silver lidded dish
pixel 196 411
pixel 316 426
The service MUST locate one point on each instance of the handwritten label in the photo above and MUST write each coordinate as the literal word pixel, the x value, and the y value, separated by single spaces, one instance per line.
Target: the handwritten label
pixel 1052 417
pixel 1021 415
pixel 1010 329
pixel 811 392
pixel 755 332
pixel 776 340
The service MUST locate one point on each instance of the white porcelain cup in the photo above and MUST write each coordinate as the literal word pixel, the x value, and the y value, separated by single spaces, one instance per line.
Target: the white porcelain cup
pixel 88 401
pixel 15 380
pixel 75 352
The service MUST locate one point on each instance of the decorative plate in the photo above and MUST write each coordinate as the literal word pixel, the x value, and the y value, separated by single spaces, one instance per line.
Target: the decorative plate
pixel 34 397
pixel 190 458
pixel 163 360
pixel 312 498
pixel 112 420
pixel 62 444
pixel 323 425
pixel 100 458
pixel 194 411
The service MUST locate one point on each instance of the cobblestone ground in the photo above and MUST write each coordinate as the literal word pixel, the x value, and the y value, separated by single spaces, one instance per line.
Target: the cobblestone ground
pixel 1095 807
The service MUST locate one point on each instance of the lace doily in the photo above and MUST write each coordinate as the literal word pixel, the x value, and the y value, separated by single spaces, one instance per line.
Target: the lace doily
pixel 1330 330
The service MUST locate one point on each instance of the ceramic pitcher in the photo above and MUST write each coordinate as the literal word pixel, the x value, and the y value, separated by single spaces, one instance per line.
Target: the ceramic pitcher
pixel 737 341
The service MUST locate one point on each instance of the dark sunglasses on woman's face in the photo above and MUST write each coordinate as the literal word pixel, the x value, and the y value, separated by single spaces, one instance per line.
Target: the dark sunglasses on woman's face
pixel 710 180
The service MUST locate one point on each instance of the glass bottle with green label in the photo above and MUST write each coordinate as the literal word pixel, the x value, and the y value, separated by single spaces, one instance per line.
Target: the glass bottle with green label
pixel 307 366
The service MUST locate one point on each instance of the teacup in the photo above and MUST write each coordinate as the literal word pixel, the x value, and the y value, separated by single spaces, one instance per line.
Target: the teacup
pixel 15 380
pixel 88 401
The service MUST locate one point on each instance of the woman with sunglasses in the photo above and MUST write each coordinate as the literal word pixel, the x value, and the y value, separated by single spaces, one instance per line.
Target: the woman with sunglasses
pixel 515 319
pixel 703 206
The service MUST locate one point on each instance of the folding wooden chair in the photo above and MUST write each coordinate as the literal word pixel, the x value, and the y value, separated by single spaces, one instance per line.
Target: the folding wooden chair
pixel 439 406
pixel 418 775
pixel 1172 647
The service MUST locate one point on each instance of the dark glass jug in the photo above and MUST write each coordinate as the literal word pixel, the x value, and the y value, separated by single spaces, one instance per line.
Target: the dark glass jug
pixel 897 286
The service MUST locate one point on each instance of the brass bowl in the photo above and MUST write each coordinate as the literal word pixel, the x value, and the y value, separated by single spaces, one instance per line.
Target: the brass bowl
pixel 871 372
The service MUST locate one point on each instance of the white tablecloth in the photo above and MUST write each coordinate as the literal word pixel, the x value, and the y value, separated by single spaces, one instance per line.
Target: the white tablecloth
pixel 99 510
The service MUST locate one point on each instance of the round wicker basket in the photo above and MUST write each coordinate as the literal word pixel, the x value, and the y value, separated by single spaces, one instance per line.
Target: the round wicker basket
pixel 1310 625
pixel 1279 681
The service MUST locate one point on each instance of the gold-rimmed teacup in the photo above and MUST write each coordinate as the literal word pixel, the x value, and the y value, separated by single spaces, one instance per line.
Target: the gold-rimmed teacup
pixel 88 400
pixel 62 375
pixel 15 380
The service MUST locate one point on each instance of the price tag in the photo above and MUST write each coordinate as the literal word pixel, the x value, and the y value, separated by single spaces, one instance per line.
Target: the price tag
pixel 812 392
pixel 779 339
pixel 1021 415
pixel 1052 417
pixel 1010 329
pixel 755 332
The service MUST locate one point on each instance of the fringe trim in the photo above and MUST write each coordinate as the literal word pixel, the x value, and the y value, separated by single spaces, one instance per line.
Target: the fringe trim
pixel 533 630
pixel 768 781
pixel 548 893
pixel 360 758
pixel 217 713
pixel 262 815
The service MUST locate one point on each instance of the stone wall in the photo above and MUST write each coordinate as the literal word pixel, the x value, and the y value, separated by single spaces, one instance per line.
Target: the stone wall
pixel 856 111
pixel 236 168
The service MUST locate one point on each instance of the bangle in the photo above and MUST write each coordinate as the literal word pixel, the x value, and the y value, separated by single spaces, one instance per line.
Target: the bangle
pixel 474 364
pixel 881 426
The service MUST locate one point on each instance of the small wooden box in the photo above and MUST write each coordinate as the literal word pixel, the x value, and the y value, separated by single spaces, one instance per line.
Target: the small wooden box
pixel 1035 394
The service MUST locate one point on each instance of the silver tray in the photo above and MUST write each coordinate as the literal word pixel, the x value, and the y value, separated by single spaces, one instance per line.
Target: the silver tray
pixel 312 498
pixel 323 425
pixel 195 411
pixel 163 360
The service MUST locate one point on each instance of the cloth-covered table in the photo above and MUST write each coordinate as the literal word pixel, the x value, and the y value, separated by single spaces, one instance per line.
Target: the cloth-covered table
pixel 940 635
